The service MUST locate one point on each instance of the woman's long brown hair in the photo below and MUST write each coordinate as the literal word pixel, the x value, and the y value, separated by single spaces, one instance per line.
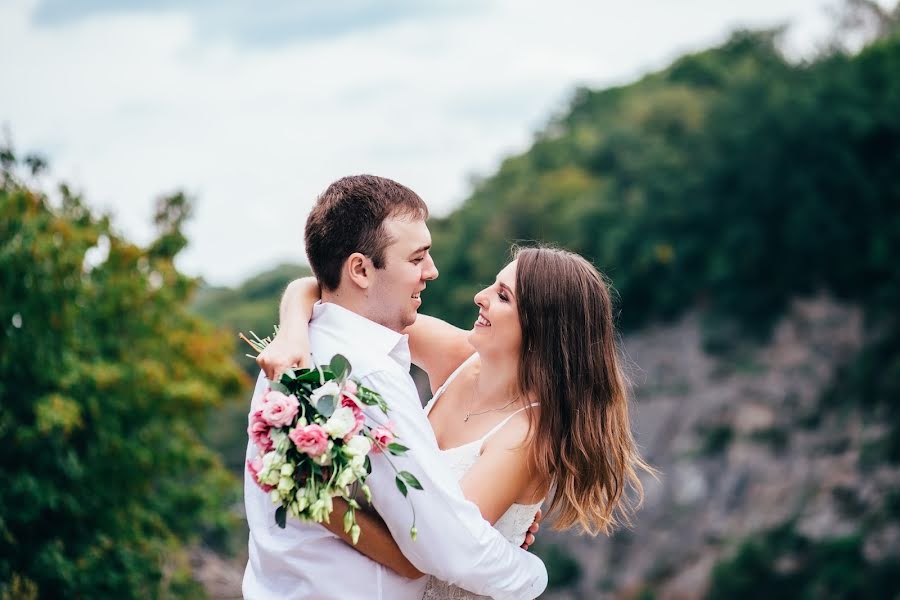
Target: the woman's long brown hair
pixel 581 441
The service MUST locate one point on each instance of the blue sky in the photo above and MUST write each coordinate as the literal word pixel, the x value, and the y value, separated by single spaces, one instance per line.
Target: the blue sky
pixel 253 108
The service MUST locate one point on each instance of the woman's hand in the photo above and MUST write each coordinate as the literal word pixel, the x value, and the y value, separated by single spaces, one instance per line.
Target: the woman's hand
pixel 283 354
pixel 529 535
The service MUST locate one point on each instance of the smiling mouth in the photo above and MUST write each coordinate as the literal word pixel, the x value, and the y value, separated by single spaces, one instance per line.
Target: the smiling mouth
pixel 482 321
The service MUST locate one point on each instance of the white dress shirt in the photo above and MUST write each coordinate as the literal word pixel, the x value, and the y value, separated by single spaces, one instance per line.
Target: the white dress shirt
pixel 454 542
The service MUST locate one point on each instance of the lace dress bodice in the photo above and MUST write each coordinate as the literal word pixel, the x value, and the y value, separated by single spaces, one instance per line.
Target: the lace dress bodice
pixel 514 523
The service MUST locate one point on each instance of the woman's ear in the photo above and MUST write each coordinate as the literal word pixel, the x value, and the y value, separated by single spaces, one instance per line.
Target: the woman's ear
pixel 358 269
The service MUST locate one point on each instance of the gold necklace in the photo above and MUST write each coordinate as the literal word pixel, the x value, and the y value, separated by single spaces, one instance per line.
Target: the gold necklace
pixel 481 412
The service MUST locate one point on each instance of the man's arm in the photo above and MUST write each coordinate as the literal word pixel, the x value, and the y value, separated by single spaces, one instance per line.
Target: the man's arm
pixel 454 543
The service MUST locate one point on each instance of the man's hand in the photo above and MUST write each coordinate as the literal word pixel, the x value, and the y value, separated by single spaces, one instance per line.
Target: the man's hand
pixel 529 535
pixel 283 354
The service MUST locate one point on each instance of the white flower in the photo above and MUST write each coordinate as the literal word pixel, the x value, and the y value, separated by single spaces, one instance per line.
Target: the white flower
pixel 287 469
pixel 285 485
pixel 340 423
pixel 330 388
pixel 358 464
pixel 359 445
pixel 345 478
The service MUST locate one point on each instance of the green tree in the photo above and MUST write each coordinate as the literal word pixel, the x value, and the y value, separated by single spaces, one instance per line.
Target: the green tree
pixel 105 381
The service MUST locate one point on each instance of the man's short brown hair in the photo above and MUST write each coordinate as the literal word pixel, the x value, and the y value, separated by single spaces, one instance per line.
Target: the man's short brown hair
pixel 349 217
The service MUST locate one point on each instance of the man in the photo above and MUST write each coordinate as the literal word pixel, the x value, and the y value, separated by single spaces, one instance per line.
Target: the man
pixel 368 244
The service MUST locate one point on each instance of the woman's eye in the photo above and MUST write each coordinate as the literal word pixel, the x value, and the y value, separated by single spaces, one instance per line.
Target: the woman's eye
pixel 502 297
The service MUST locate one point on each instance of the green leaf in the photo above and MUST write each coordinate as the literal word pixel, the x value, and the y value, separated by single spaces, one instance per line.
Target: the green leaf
pixel 326 406
pixel 289 375
pixel 396 448
pixel 340 366
pixel 410 479
pixel 281 516
pixel 308 375
pixel 401 486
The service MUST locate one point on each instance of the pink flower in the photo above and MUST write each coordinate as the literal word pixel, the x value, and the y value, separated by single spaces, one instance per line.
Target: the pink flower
pixel 383 435
pixel 255 466
pixel 279 410
pixel 258 430
pixel 350 387
pixel 310 439
pixel 357 414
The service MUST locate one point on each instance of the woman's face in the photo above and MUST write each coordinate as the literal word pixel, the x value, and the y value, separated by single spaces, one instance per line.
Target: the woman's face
pixel 497 329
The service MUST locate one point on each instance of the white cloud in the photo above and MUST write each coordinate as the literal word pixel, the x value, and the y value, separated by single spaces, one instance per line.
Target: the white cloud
pixel 129 106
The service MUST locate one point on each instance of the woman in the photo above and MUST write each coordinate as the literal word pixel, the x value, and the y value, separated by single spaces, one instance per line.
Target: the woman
pixel 532 401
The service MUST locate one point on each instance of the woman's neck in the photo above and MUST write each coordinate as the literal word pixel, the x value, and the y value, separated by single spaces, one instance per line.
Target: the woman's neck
pixel 497 381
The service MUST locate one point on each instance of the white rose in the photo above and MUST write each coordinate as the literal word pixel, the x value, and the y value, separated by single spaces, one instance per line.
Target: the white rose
pixel 359 445
pixel 358 464
pixel 340 423
pixel 330 388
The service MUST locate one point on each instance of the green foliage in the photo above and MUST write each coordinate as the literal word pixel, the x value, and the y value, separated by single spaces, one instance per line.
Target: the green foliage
pixel 716 439
pixel 562 568
pixel 734 179
pixel 105 381
pixel 781 564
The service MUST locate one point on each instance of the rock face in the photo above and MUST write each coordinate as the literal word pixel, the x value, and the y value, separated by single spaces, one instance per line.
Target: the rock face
pixel 743 445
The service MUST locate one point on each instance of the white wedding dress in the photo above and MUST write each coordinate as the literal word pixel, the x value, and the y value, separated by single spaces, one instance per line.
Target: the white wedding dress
pixel 513 524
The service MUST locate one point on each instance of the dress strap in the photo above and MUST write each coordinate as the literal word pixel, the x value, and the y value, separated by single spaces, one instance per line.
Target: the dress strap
pixel 500 425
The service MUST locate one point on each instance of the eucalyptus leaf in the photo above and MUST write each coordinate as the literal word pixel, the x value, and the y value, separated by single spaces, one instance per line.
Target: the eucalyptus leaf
pixel 340 366
pixel 326 406
pixel 277 386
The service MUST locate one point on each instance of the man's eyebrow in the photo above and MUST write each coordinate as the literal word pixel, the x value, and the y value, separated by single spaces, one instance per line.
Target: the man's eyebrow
pixel 420 249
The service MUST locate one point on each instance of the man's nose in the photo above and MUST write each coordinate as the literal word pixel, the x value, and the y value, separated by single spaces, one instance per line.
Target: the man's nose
pixel 430 271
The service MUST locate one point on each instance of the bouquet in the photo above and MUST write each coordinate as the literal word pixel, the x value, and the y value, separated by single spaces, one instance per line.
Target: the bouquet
pixel 314 443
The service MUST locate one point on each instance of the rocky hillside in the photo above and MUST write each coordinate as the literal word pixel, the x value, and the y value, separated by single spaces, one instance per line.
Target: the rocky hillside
pixel 745 447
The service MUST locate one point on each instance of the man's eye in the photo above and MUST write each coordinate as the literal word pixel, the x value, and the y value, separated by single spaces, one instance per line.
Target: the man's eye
pixel 418 260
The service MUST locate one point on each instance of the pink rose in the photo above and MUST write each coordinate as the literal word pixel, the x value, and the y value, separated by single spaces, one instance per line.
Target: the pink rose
pixel 255 466
pixel 279 410
pixel 383 435
pixel 311 439
pixel 258 430
pixel 357 414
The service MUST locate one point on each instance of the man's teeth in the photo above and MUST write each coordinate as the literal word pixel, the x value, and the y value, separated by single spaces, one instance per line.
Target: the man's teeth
pixel 416 296
pixel 482 321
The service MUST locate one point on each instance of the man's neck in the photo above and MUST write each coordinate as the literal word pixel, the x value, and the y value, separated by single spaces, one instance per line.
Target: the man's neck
pixel 353 303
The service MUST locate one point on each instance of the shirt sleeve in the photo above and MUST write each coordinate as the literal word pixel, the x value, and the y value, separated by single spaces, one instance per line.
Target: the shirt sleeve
pixel 454 543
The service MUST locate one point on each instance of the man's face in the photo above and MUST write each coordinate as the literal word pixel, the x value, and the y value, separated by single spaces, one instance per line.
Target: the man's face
pixel 393 295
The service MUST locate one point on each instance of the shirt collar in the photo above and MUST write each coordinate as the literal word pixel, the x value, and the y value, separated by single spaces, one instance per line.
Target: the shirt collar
pixel 363 331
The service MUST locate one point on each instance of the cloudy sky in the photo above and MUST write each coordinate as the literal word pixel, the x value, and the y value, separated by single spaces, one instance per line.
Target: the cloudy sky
pixel 253 112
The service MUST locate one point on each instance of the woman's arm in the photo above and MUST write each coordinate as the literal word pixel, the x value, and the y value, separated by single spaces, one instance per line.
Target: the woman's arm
pixel 501 476
pixel 290 348
pixel 438 348
pixel 374 541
